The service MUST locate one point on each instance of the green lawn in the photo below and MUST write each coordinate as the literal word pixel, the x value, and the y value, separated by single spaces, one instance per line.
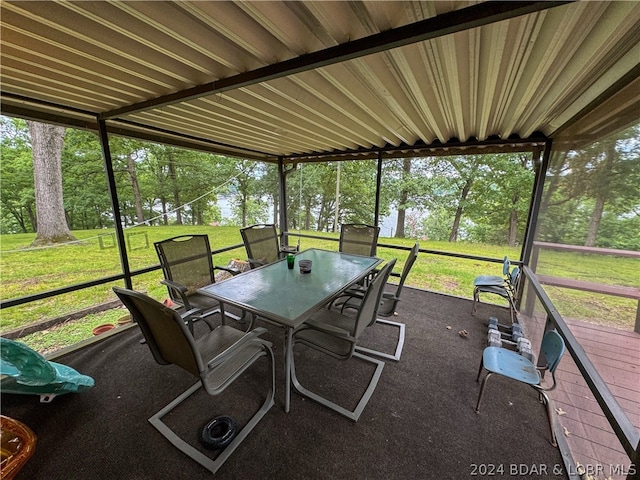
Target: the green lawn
pixel 26 271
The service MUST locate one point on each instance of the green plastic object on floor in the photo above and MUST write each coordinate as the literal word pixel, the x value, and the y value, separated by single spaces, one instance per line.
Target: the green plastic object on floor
pixel 29 372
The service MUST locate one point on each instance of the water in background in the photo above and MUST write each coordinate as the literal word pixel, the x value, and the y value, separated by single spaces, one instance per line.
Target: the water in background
pixel 387 224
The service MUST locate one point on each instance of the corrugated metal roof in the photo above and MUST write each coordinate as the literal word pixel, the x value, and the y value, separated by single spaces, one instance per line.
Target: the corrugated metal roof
pixel 275 78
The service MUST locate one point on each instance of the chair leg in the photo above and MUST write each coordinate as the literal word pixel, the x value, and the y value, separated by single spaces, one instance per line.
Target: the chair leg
pixel 476 299
pixel 512 309
pixel 224 314
pixel 394 356
pixel 480 369
pixel 351 414
pixel 207 462
pixel 484 383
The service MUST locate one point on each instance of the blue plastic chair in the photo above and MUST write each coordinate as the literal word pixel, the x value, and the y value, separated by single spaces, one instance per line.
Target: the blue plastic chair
pixel 505 287
pixel 28 372
pixel 495 280
pixel 511 364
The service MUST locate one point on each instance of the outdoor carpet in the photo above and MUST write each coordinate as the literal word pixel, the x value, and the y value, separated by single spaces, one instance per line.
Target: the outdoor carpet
pixel 419 424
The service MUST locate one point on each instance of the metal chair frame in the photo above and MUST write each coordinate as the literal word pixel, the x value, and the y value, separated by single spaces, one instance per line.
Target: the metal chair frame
pixel 216 359
pixel 336 335
pixel 506 287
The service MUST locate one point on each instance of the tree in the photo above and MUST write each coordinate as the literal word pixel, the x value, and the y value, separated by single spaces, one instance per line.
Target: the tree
pixel 404 198
pixel 612 173
pixel 46 142
pixel 248 206
pixel 590 187
pixel 16 172
pixel 499 203
pixel 86 200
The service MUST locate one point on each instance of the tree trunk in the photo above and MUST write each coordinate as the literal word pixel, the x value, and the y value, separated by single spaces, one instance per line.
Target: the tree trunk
pixel 513 227
pixel 46 143
pixel 131 168
pixel 513 217
pixel 453 237
pixel 307 214
pixel 176 191
pixel 165 215
pixel 602 191
pixel 404 196
pixel 594 222
pixel 244 210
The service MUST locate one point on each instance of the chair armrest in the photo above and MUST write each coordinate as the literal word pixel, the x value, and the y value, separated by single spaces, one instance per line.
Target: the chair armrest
pixel 256 262
pixel 252 336
pixel 358 291
pixel 190 313
pixel 188 318
pixel 180 290
pixel 289 249
pixel 232 271
pixel 326 328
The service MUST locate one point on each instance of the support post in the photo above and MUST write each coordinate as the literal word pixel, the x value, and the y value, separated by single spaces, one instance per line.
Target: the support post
pixel 115 206
pixel 532 221
pixel 376 215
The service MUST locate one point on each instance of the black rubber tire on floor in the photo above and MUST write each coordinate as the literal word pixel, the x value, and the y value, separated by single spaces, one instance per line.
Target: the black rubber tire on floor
pixel 219 432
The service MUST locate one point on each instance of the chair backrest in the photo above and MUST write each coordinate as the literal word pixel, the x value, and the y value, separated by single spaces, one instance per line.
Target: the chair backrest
pixel 553 348
pixel 359 239
pixel 368 311
pixel 506 266
pixel 389 301
pixel 411 259
pixel 261 242
pixel 512 279
pixel 187 260
pixel 164 330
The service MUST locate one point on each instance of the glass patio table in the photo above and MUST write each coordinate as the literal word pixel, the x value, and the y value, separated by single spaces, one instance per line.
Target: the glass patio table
pixel 289 297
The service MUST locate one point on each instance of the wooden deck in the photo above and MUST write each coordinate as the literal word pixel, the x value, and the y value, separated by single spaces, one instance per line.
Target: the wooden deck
pixel 616 356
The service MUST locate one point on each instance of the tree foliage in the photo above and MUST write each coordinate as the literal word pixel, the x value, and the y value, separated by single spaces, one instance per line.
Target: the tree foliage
pixel 591 196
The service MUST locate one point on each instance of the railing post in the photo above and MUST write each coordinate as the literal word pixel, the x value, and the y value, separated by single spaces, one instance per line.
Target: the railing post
pixel 637 327
pixel 533 264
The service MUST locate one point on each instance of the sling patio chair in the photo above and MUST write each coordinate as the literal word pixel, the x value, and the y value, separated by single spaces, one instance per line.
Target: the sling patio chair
pixel 262 244
pixel 359 239
pixel 217 359
pixel 387 307
pixel 187 264
pixel 336 335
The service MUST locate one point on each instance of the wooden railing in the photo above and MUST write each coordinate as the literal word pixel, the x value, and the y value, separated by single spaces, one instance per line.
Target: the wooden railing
pixel 621 425
pixel 606 289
